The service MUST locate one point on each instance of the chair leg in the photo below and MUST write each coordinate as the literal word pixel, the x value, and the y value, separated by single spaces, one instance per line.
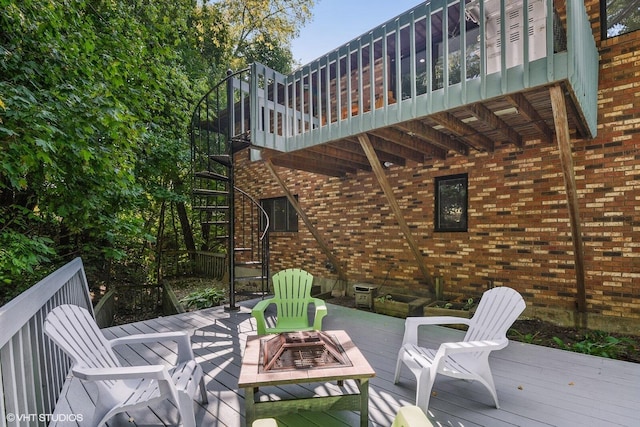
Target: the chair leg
pixel 102 413
pixel 185 407
pixel 424 385
pixel 486 378
pixel 203 392
pixel 399 364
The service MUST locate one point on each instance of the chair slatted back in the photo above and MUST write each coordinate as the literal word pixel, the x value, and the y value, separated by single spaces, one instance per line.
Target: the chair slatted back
pixel 498 309
pixel 292 294
pixel 76 332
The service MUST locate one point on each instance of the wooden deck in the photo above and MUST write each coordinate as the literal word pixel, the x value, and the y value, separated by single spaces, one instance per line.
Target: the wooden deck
pixel 537 386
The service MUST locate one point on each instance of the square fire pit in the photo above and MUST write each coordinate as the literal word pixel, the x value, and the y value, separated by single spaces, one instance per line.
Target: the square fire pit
pixel 301 350
pixel 304 357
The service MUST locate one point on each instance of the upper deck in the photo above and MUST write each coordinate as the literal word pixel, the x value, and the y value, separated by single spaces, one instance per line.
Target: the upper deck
pixel 445 76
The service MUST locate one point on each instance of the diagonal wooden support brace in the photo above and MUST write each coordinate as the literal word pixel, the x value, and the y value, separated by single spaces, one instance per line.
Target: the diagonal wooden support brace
pixel 566 160
pixel 393 203
pixel 307 222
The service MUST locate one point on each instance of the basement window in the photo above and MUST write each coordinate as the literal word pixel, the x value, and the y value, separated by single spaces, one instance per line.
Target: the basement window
pixel 451 203
pixel 282 215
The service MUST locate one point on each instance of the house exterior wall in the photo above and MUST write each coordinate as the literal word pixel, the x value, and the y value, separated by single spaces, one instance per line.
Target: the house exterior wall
pixel 519 232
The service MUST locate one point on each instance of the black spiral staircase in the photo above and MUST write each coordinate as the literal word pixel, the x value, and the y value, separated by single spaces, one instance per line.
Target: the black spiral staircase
pixel 231 221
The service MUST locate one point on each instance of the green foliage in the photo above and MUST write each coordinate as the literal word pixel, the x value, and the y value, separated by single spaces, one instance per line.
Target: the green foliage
pixel 466 306
pixel 262 29
pixel 205 298
pixel 384 298
pixel 95 105
pixel 528 338
pixel 88 90
pixel 598 343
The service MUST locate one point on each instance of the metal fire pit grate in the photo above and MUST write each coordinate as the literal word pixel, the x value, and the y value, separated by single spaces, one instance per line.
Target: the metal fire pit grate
pixel 301 350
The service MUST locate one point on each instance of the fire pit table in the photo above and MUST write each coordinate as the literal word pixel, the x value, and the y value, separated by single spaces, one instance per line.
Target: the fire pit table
pixel 304 357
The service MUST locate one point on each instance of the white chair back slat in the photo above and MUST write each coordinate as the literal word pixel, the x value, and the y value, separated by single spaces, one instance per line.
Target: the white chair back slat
pixel 77 333
pixel 498 309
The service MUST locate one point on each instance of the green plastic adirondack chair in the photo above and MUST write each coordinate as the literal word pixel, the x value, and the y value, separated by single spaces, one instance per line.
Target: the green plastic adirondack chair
pixel 292 296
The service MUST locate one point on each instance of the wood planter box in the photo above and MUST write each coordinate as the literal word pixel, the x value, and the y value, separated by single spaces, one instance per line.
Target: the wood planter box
pixel 400 305
pixel 437 308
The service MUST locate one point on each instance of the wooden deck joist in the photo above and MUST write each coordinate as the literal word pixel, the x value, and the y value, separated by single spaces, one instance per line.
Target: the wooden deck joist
pixel 477 127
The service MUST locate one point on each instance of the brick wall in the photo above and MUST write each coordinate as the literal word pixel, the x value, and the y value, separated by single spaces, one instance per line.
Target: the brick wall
pixel 519 231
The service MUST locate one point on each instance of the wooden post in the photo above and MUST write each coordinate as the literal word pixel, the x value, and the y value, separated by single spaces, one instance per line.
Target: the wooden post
pixel 323 245
pixel 566 162
pixel 393 203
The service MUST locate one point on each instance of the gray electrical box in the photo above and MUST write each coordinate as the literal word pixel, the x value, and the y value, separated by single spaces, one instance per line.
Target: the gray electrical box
pixel 364 294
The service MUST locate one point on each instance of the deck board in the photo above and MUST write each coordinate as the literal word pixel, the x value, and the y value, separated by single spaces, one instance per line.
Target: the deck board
pixel 537 386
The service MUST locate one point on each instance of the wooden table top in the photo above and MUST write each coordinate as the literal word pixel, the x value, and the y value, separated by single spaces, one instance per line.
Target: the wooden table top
pixel 250 375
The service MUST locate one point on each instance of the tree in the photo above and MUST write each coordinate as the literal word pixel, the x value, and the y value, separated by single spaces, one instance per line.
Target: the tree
pixel 88 91
pixel 95 103
pixel 263 29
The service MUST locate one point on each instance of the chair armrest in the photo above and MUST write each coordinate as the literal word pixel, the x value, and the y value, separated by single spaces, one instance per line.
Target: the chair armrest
pixel 262 305
pixel 450 348
pixel 410 416
pixel 319 304
pixel 157 372
pixel 411 325
pixel 437 320
pixel 258 313
pixel 321 311
pixel 182 338
pixel 473 346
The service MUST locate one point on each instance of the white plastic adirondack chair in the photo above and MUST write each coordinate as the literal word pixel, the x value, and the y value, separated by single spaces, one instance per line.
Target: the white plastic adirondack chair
pixel 125 388
pixel 469 358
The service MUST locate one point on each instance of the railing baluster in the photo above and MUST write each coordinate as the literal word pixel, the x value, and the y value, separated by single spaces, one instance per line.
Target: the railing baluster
pixel 32 372
pixel 509 43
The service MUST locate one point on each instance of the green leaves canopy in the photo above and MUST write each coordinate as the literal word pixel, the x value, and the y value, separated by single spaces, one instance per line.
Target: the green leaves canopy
pixel 95 102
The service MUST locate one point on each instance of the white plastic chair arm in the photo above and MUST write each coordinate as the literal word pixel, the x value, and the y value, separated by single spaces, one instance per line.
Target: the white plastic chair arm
pixel 449 348
pixel 472 346
pixel 182 338
pixel 157 372
pixel 412 323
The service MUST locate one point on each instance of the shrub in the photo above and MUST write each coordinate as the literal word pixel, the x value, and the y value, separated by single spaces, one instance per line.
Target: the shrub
pixel 205 298
pixel 598 343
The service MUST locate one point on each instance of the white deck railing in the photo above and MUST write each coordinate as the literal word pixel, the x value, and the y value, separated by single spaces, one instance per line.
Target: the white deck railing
pixel 32 369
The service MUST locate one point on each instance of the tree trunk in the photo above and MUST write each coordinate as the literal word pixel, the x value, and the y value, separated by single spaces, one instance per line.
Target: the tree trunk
pixel 187 232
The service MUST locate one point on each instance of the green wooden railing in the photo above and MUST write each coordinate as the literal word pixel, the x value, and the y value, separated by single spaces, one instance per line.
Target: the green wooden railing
pixel 437 56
